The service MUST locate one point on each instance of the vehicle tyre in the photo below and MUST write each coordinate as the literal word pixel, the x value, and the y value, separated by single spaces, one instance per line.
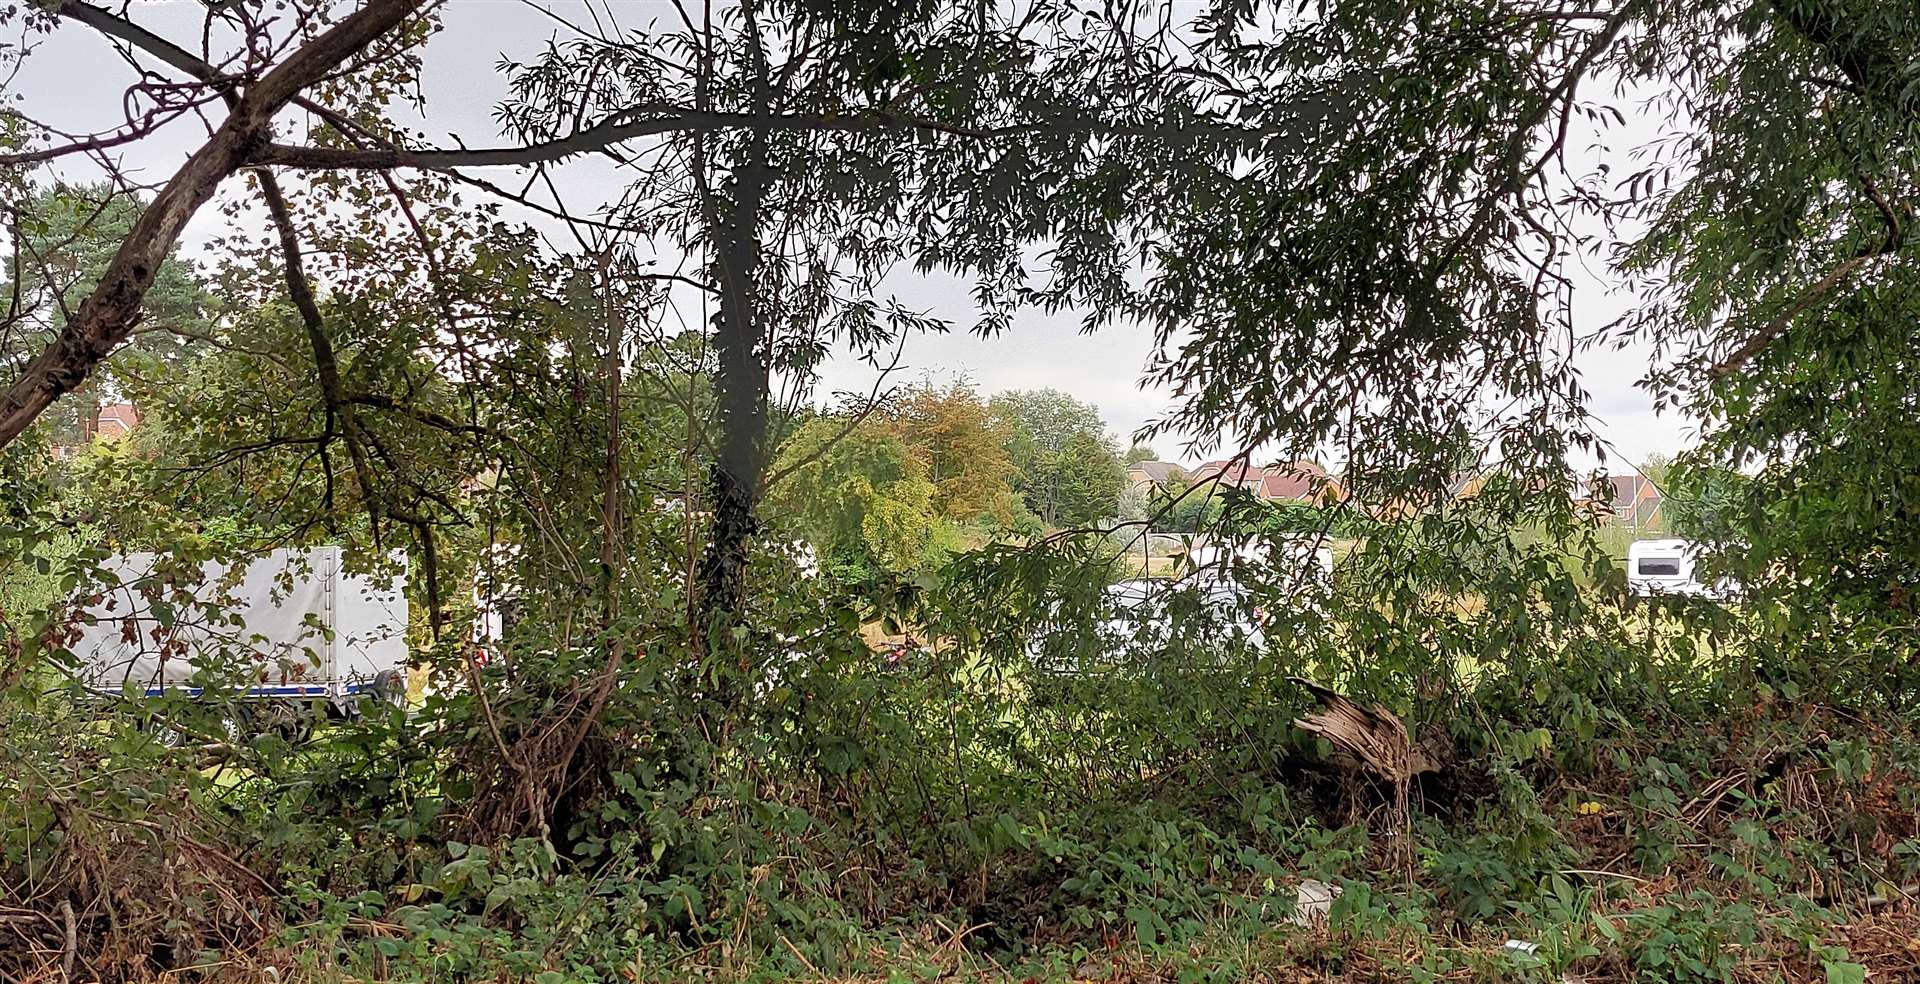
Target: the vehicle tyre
pixel 163 732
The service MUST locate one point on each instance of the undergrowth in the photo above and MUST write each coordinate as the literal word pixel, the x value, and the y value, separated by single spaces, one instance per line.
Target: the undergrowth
pixel 1618 789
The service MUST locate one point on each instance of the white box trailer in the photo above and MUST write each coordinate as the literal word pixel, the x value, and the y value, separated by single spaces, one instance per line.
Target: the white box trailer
pixel 291 626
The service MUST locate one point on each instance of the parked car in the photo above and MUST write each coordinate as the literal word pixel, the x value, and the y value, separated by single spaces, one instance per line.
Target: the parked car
pixel 1137 619
pixel 1303 564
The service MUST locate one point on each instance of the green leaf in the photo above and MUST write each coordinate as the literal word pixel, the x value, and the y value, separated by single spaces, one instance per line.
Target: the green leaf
pixel 1144 924
pixel 1846 973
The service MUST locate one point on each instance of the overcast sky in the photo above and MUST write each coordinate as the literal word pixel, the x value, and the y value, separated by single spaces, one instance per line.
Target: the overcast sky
pixel 76 78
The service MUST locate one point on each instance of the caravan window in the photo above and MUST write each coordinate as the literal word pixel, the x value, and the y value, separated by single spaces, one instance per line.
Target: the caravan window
pixel 1660 566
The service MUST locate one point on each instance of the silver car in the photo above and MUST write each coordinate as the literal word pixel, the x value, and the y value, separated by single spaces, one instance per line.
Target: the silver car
pixel 1140 619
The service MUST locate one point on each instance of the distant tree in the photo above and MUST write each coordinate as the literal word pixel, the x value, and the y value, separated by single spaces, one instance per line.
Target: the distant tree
pixel 1140 452
pixel 1704 502
pixel 1656 468
pixel 1070 472
pixel 858 496
pixel 963 448
pixel 1194 512
pixel 66 237
pixel 1088 479
pixel 1133 503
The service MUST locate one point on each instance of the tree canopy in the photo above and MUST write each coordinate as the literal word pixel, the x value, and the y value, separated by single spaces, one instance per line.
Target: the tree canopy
pixel 1070 472
pixel 964 449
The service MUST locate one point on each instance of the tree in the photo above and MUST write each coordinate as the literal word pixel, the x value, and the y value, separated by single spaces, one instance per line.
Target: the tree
pixel 1705 502
pixel 963 448
pixel 1069 470
pixel 857 494
pixel 1140 452
pixel 1656 468
pixel 1195 512
pixel 64 237
pixel 106 315
pixel 1410 308
pixel 1086 480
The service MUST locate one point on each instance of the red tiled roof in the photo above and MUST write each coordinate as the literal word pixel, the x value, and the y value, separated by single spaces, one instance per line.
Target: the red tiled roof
pixel 1280 484
pixel 118 418
pixel 1293 480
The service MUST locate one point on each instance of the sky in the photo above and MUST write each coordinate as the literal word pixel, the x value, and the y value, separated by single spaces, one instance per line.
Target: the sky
pixel 76 78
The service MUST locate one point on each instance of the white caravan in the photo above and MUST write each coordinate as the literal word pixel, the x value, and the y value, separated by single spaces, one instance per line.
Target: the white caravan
pixel 293 626
pixel 1666 568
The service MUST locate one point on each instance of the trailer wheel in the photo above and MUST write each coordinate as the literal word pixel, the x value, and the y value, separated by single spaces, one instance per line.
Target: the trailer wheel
pixel 164 733
pixel 235 726
pixel 289 721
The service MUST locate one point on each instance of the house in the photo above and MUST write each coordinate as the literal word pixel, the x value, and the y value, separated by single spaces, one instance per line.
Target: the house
pixel 110 422
pixel 116 420
pixel 1231 473
pixel 1299 480
pixel 1634 501
pixel 1150 474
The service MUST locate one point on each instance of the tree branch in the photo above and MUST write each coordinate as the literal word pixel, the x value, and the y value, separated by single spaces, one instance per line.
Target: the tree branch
pixel 107 316
pixel 340 416
pixel 668 118
pixel 1870 69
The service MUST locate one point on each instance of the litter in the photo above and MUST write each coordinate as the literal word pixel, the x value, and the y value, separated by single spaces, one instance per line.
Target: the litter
pixel 1312 902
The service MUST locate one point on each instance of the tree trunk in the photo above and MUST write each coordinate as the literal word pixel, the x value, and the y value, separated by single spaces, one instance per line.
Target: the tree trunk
pixel 740 385
pixel 740 388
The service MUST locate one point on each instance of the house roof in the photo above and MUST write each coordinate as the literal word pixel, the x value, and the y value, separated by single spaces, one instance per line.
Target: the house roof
pixel 117 419
pixel 1299 480
pixel 1158 471
pixel 1281 484
pixel 1630 489
pixel 1229 471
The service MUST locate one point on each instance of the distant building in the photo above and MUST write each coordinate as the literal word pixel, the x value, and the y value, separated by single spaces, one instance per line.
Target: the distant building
pixel 1289 481
pixel 1635 502
pixel 1299 480
pixel 1155 473
pixel 116 420
pixel 1231 473
pixel 112 422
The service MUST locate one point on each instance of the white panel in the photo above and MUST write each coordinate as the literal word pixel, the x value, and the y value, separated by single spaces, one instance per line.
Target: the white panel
pixel 370 631
pixel 273 623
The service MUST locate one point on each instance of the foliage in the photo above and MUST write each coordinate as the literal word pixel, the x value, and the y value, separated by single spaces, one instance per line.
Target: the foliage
pixel 1191 511
pixel 858 495
pixel 1070 472
pixel 1704 502
pixel 963 449
pixel 1345 227
pixel 63 236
